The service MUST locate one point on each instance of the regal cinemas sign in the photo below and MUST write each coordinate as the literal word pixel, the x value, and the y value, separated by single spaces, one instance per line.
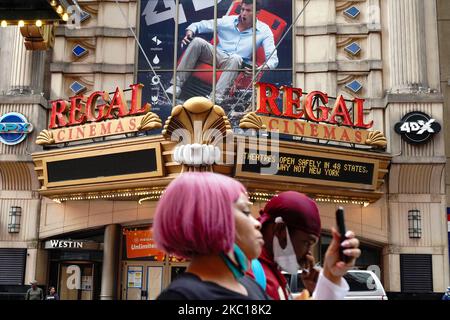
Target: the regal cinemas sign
pixel 311 116
pixel 97 115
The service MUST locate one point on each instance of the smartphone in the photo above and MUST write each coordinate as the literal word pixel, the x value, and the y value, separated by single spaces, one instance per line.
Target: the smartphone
pixel 340 222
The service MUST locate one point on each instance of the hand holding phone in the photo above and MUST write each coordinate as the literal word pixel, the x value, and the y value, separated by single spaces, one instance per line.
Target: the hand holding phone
pixel 340 222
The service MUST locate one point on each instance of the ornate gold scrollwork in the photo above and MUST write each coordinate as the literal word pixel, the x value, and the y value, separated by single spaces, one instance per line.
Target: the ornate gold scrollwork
pixel 376 139
pixel 149 122
pixel 251 121
pixel 45 137
pixel 200 127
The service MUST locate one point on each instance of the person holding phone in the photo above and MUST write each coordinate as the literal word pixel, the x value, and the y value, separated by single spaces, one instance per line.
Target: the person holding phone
pixel 207 218
pixel 234 48
pixel 291 226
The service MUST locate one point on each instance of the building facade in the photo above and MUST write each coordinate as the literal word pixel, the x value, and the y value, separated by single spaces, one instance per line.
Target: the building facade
pixel 443 16
pixel 100 183
pixel 23 93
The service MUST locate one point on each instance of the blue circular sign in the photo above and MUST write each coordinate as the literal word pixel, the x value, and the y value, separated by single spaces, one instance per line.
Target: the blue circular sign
pixel 14 128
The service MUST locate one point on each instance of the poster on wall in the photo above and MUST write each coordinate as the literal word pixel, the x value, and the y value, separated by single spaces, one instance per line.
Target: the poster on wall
pixel 192 59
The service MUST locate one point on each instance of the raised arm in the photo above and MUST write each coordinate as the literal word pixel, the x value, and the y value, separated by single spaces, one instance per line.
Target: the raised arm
pixel 204 26
pixel 331 284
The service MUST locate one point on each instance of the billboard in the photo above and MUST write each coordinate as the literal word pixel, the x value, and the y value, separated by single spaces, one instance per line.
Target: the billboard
pixel 185 68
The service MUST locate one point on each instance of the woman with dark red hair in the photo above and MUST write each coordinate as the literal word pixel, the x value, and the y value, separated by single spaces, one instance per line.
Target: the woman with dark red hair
pixel 291 227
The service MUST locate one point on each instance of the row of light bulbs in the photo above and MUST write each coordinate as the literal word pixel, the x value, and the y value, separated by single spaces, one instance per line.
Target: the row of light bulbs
pixel 154 194
pixel 342 201
pixel 38 23
pixel 261 196
pixel 59 10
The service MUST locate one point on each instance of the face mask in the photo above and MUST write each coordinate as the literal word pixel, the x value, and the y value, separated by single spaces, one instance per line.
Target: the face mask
pixel 286 257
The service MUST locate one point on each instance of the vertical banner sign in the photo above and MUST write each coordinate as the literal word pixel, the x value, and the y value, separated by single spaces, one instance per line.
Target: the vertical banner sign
pixel 140 244
pixel 164 48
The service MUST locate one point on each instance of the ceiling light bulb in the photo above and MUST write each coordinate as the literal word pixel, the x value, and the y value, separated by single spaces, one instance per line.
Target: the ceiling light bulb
pixel 53 3
pixel 4 24
pixel 21 23
pixel 59 10
pixel 38 23
pixel 65 16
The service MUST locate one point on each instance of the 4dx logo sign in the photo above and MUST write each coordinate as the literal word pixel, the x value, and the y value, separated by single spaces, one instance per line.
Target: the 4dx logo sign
pixel 417 127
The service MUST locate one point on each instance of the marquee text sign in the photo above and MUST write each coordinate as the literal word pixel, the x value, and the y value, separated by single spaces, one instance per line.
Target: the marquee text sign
pixel 293 108
pixel 309 167
pixel 98 115
pixel 97 107
pixel 298 128
pixel 311 116
pixel 97 129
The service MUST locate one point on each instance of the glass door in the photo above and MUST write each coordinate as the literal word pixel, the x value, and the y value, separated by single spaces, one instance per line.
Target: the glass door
pixel 144 280
pixel 134 275
pixel 155 281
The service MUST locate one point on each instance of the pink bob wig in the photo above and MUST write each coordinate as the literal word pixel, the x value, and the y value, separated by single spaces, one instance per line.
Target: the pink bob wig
pixel 195 214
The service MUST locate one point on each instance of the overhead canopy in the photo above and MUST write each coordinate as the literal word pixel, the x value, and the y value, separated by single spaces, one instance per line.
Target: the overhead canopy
pixel 15 10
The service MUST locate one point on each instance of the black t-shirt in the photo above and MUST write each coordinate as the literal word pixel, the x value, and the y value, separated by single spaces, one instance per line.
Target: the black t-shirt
pixel 188 286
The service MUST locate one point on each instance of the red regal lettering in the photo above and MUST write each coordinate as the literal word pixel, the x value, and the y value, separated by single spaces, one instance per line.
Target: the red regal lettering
pixel 292 103
pixel 92 106
pixel 76 107
pixel 360 114
pixel 58 113
pixel 118 102
pixel 267 95
pixel 83 110
pixel 136 100
pixel 309 114
pixel 340 109
pixel 263 100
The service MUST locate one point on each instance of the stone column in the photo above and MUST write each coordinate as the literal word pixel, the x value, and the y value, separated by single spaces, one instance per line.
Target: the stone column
pixel 408 70
pixel 110 269
pixel 20 81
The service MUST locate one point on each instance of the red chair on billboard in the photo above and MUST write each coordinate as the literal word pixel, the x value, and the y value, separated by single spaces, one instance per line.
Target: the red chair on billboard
pixel 242 81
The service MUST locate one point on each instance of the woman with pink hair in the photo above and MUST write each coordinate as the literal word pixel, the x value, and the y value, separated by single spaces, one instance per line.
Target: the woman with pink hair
pixel 206 218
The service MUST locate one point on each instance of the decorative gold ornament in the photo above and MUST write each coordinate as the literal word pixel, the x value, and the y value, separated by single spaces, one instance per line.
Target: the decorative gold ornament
pixel 45 137
pixel 198 120
pixel 251 121
pixel 200 127
pixel 149 122
pixel 376 139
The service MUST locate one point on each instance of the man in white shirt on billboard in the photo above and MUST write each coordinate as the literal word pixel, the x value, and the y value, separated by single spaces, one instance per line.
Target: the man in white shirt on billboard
pixel 234 48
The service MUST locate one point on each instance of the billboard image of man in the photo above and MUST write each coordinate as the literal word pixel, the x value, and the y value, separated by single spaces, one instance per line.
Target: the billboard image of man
pixel 234 48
